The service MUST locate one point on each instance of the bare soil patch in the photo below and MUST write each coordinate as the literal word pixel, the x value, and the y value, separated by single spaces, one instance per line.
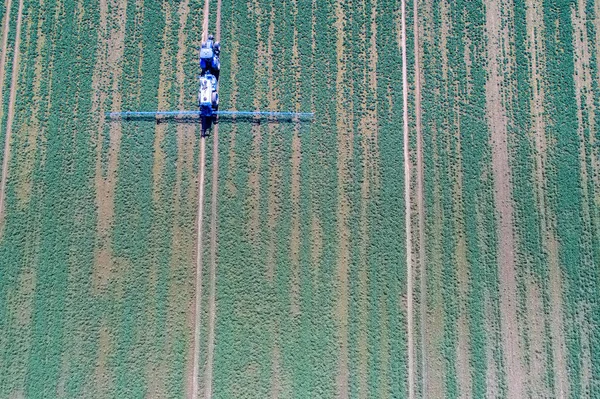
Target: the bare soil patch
pixel 536 48
pixel 407 202
pixel 102 376
pixel 498 42
pixel 537 365
pixel 27 138
pixel 492 383
pixel 344 123
pixel 108 64
pixel 435 318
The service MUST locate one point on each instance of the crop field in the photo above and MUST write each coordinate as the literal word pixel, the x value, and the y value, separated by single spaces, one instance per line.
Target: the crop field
pixel 433 233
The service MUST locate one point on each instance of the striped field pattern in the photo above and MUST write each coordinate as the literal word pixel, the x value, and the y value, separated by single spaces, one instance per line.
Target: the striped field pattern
pixel 310 231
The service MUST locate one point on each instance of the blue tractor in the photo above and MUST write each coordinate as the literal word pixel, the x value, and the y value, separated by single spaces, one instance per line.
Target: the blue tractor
pixel 208 98
pixel 209 57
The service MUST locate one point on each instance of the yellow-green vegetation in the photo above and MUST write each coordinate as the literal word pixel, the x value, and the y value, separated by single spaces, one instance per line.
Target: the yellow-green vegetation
pixel 97 235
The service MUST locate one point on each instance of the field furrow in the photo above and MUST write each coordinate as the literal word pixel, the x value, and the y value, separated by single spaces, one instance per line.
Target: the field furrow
pixel 498 45
pixel 433 232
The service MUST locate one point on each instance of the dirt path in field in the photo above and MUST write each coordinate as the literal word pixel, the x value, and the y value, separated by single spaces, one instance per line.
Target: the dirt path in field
pixel 345 136
pixel 407 209
pixel 212 310
pixel 213 238
pixel 497 51
pixel 420 202
pixel 11 112
pixel 5 30
pixel 198 299
pixel 198 287
pixel 536 47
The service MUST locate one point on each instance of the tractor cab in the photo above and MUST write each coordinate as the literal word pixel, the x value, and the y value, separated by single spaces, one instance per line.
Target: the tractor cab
pixel 209 57
pixel 208 100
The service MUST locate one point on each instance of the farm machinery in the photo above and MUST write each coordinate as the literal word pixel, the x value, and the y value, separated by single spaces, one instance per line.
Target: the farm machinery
pixel 208 98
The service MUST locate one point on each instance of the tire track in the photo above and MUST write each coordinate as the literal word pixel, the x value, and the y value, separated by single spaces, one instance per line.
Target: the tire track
pixel 208 376
pixel 407 209
pixel 6 28
pixel 420 203
pixel 208 383
pixel 198 299
pixel 198 288
pixel 11 107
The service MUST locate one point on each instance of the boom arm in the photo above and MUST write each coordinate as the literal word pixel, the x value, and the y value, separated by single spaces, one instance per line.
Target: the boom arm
pixel 294 116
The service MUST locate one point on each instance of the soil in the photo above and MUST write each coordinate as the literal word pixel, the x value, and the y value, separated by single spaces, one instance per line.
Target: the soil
pixel 344 125
pixel 11 109
pixel 109 64
pixel 536 47
pixel 295 186
pixel 407 202
pixel 420 202
pixel 463 347
pixel 497 49
pixel 537 369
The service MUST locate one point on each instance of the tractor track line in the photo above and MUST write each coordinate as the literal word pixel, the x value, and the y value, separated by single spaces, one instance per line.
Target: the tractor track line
pixel 6 28
pixel 409 274
pixel 213 244
pixel 420 205
pixel 11 108
pixel 198 288
pixel 212 310
pixel 198 295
